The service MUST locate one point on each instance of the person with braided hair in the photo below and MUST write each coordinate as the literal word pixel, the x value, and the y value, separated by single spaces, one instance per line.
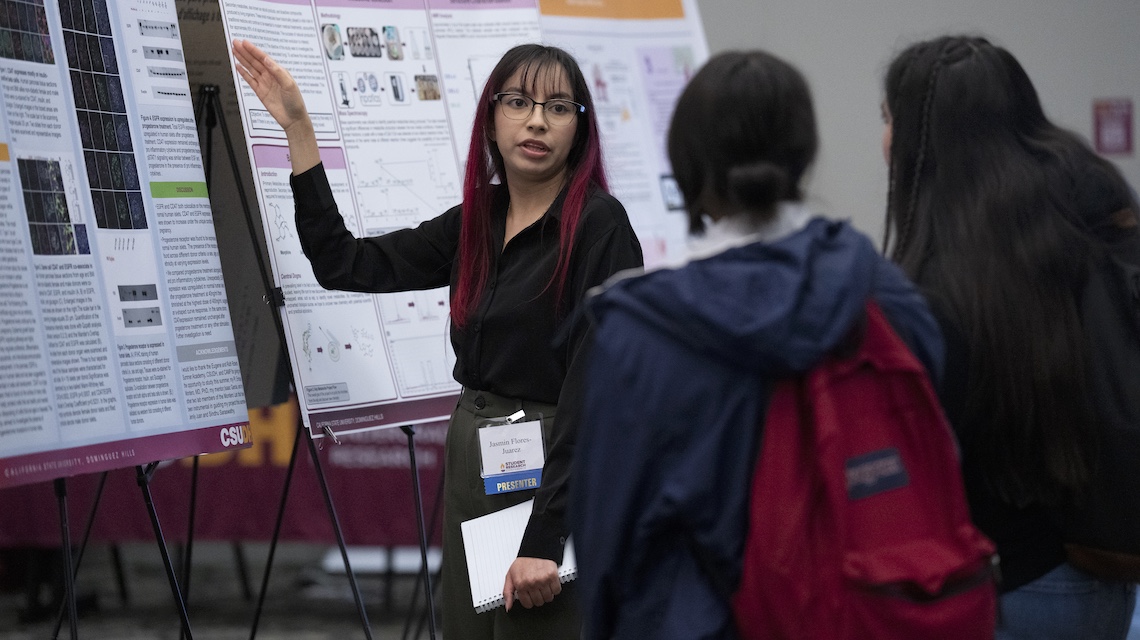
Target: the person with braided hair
pixel 994 212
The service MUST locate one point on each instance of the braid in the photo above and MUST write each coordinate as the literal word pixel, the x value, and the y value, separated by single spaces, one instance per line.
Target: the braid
pixel 907 223
pixel 889 223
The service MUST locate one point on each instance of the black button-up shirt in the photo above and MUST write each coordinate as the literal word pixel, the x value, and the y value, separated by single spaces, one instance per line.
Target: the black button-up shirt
pixel 506 346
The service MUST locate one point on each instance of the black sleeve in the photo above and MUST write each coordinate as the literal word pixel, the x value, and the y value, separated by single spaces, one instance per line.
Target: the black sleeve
pixel 403 260
pixel 617 250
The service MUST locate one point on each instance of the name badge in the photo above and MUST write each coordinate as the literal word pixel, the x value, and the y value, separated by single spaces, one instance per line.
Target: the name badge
pixel 512 456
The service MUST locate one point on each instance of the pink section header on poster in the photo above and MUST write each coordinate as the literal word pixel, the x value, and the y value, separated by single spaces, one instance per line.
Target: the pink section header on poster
pixel 277 157
pixel 482 4
pixel 94 458
pixel 372 4
pixel 333 158
pixel 271 156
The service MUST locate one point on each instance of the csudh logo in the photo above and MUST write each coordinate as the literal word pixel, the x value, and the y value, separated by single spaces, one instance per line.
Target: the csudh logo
pixel 236 435
pixel 875 472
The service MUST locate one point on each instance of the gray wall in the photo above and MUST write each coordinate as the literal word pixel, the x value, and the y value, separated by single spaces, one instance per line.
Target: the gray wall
pixel 1074 50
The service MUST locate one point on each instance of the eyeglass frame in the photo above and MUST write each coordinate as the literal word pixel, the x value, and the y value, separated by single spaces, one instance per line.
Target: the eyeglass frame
pixel 498 98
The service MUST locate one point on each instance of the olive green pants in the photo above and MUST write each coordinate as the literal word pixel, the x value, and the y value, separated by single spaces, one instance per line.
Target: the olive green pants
pixel 464 499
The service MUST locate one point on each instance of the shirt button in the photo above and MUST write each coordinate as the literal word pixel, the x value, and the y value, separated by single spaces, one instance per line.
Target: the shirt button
pixel 478 326
pixel 480 402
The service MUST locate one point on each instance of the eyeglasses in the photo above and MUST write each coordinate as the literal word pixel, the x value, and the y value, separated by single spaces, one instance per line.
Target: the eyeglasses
pixel 558 112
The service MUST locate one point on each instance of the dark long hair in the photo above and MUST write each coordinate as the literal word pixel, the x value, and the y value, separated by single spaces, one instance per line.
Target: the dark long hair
pixel 484 162
pixel 983 214
pixel 742 136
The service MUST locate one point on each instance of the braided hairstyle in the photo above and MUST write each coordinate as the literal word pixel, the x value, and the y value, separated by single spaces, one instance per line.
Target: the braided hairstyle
pixel 980 214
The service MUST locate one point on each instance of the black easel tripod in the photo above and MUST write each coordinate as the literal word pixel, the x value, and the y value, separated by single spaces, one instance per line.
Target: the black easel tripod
pixel 209 114
pixel 70 569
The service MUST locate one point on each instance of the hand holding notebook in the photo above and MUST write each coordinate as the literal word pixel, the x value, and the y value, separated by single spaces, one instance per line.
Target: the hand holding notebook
pixel 491 544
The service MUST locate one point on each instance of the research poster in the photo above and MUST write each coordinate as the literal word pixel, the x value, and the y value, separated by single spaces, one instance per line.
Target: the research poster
pixel 391 87
pixel 116 346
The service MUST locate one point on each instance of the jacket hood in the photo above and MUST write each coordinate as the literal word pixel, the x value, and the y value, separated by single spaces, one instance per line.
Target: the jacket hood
pixel 772 308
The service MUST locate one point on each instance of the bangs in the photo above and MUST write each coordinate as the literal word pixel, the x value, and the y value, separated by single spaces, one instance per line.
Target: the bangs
pixel 545 76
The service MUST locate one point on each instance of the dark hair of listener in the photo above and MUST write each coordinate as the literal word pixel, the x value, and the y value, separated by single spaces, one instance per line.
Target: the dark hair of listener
pixel 742 136
pixel 484 162
pixel 983 214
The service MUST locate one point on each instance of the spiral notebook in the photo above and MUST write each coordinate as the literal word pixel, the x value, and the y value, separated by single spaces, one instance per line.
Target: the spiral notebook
pixel 491 544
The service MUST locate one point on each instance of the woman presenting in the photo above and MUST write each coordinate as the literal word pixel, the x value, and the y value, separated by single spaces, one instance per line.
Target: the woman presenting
pixel 535 231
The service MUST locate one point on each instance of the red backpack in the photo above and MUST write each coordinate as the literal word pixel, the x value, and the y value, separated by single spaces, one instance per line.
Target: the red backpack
pixel 858 523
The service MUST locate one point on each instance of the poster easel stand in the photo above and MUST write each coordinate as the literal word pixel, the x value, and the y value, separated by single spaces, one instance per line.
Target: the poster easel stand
pixel 69 605
pixel 144 476
pixel 410 431
pixel 68 574
pixel 189 548
pixel 428 614
pixel 209 112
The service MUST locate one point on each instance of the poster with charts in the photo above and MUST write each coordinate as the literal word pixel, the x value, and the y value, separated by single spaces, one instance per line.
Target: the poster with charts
pixel 391 87
pixel 116 347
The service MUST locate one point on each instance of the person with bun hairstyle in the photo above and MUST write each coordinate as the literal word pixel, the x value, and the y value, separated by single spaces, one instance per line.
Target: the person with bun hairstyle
pixel 684 358
pixel 535 231
pixel 996 213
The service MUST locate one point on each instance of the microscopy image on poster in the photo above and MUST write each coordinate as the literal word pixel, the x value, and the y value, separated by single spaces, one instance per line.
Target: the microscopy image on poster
pixel 24 33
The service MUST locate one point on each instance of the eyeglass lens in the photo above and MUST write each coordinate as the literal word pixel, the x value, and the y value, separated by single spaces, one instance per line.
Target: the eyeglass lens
pixel 519 107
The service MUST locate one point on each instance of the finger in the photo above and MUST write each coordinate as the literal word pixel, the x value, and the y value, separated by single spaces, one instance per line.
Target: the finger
pixel 241 52
pixel 546 593
pixel 253 58
pixel 526 599
pixel 244 73
pixel 243 67
pixel 508 592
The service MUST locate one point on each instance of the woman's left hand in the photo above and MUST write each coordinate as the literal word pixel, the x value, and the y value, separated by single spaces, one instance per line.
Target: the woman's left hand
pixel 532 581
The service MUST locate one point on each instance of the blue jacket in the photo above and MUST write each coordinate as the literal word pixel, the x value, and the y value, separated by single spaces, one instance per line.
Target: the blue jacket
pixel 678 383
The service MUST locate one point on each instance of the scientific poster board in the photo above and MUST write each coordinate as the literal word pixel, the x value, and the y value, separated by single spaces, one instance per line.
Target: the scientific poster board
pixel 391 87
pixel 117 347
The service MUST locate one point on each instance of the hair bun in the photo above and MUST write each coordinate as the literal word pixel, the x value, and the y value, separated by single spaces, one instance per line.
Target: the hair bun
pixel 757 186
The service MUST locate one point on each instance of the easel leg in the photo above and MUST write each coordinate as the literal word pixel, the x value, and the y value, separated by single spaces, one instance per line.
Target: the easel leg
pixel 186 564
pixel 68 602
pixel 144 483
pixel 434 577
pixel 339 536
pixel 276 532
pixel 243 570
pixel 410 431
pixel 68 572
pixel 120 576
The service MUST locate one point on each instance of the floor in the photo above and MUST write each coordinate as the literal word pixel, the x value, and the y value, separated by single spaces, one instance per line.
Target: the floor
pixel 309 597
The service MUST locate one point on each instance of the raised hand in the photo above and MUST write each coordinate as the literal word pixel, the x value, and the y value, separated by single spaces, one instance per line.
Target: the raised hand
pixel 274 86
pixel 281 96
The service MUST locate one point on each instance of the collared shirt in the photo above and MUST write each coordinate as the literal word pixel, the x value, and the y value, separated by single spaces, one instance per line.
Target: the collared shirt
pixel 505 347
pixel 737 231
